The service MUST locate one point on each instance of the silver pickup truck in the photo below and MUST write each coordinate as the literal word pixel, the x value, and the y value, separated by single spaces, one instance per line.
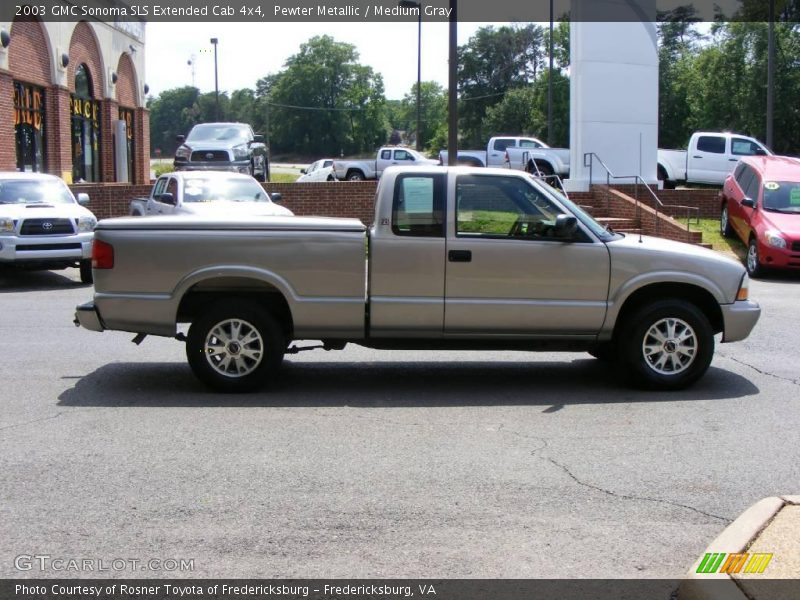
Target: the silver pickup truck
pixel 457 258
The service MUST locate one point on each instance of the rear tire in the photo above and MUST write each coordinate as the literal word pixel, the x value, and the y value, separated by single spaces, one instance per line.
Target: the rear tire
pixel 725 228
pixel 86 271
pixel 235 346
pixel 355 176
pixel 666 345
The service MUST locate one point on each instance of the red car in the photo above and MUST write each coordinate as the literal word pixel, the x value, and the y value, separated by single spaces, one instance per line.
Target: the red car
pixel 761 204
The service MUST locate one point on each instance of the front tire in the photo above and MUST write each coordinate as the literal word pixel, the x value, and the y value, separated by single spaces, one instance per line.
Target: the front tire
pixel 86 271
pixel 235 346
pixel 666 345
pixel 753 261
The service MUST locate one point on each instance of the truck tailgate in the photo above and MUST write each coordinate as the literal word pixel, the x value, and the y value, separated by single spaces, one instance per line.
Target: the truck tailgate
pixel 318 264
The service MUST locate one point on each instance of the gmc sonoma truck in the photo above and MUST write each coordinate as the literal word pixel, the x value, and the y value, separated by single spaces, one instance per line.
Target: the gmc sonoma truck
pixel 457 258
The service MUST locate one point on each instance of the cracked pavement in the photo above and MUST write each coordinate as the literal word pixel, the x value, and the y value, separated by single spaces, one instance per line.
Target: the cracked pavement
pixel 381 464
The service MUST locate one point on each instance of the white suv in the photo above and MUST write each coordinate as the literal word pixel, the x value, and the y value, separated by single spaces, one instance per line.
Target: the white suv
pixel 42 226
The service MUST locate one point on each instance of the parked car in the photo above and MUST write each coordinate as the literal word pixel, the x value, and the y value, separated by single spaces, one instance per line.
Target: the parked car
pixel 761 205
pixel 711 156
pixel 43 226
pixel 387 156
pixel 322 170
pixel 223 147
pixel 516 152
pixel 456 258
pixel 207 193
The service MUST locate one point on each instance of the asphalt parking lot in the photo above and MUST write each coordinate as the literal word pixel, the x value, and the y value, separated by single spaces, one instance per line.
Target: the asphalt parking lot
pixel 380 464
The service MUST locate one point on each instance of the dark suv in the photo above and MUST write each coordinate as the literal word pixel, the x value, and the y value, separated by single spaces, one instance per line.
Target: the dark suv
pixel 223 147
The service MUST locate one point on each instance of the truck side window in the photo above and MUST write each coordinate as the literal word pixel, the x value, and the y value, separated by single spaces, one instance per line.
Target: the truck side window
pixel 159 187
pixel 711 143
pixel 502 143
pixel 418 206
pixel 402 155
pixel 172 188
pixel 741 147
pixel 529 144
pixel 386 154
pixel 503 207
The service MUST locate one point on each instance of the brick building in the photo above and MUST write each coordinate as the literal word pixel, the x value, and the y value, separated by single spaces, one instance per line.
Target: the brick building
pixel 70 94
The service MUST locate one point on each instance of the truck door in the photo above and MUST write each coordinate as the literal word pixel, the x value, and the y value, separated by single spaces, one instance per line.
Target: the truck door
pixel 497 152
pixel 507 275
pixel 160 207
pixel 406 259
pixel 707 160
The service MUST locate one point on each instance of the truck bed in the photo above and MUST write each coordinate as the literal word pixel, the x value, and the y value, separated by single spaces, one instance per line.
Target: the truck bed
pixel 318 264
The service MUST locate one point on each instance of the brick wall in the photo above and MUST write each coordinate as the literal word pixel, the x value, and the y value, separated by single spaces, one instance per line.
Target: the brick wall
pixel 8 154
pixel 329 199
pixel 706 199
pixel 83 50
pixel 28 59
pixel 109 114
pixel 58 134
pixel 126 83
pixel 108 200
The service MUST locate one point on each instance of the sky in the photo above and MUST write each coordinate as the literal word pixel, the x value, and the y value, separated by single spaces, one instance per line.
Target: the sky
pixel 248 51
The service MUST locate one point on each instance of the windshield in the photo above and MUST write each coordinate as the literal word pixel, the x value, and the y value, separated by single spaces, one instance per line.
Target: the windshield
pixel 202 189
pixel 34 192
pixel 217 132
pixel 584 217
pixel 782 196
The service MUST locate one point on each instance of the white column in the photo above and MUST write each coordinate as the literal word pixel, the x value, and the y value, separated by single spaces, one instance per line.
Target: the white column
pixel 613 91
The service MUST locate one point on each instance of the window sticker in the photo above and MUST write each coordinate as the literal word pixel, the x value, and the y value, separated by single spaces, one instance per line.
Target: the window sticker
pixel 771 186
pixel 418 192
pixel 794 196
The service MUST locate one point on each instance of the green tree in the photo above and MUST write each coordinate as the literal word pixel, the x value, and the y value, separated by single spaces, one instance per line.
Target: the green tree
pixel 433 111
pixel 324 101
pixel 171 114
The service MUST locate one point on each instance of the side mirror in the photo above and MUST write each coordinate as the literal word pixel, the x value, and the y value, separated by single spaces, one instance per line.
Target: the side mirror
pixel 83 199
pixel 303 171
pixel 167 198
pixel 276 197
pixel 566 225
pixel 180 138
pixel 760 152
pixel 258 138
pixel 748 202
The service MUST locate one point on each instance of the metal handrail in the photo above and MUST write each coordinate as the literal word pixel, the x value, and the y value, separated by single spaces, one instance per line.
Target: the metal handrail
pixel 590 158
pixel 540 175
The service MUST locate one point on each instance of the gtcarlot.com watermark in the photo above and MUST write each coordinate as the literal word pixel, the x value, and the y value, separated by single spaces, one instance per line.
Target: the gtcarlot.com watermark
pixel 59 564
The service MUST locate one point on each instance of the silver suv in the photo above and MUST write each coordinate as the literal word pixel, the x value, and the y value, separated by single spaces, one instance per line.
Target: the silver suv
pixel 223 147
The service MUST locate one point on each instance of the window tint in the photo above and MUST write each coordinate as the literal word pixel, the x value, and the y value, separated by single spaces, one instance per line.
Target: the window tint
pixel 503 143
pixel 160 185
pixel 744 177
pixel 402 155
pixel 418 206
pixel 742 147
pixel 327 164
pixel 752 187
pixel 172 188
pixel 711 143
pixel 386 154
pixel 503 207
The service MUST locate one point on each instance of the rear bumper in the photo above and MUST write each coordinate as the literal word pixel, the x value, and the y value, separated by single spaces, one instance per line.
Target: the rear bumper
pixel 739 319
pixel 86 316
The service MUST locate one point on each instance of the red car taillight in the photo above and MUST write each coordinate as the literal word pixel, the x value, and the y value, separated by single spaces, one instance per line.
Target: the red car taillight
pixel 102 255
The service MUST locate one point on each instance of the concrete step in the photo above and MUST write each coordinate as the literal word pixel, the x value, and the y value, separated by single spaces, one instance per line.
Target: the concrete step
pixel 618 223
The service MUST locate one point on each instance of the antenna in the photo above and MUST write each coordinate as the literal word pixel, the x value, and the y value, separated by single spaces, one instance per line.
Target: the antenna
pixel 191 62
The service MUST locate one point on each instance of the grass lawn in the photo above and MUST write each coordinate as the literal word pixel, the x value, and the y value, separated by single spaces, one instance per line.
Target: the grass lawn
pixel 283 177
pixel 711 235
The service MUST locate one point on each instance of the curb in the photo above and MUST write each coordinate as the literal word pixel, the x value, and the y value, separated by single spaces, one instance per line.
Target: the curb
pixel 735 538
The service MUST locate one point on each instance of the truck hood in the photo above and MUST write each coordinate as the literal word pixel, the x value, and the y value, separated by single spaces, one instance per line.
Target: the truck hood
pixel 785 223
pixel 635 260
pixel 234 209
pixel 44 211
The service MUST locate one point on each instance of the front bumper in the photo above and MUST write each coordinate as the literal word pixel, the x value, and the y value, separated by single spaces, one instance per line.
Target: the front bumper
pixel 778 258
pixel 236 166
pixel 739 319
pixel 86 316
pixel 45 248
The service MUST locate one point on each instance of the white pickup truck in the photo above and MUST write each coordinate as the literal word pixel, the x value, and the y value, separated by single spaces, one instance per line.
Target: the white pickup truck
pixel 516 152
pixel 207 193
pixel 387 156
pixel 456 258
pixel 710 158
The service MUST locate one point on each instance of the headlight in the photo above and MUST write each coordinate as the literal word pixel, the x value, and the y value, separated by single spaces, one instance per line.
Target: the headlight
pixel 183 152
pixel 86 224
pixel 744 288
pixel 774 239
pixel 241 152
pixel 6 225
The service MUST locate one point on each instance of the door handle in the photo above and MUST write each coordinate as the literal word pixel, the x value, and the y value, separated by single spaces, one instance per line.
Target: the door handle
pixel 695 156
pixel 733 159
pixel 459 256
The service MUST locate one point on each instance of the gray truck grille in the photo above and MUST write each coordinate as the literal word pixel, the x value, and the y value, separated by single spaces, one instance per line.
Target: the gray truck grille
pixel 47 227
pixel 210 156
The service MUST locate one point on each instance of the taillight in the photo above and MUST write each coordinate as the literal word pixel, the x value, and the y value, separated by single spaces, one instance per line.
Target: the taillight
pixel 102 255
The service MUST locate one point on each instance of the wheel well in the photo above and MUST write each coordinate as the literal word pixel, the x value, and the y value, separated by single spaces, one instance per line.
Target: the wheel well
pixel 352 171
pixel 202 295
pixel 662 172
pixel 696 295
